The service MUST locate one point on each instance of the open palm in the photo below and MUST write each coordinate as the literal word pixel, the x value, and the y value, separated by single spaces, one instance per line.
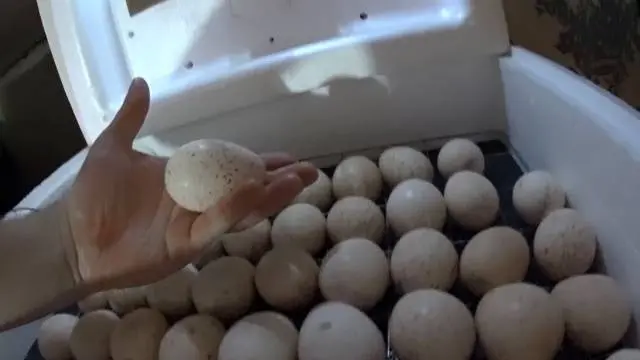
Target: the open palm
pixel 126 230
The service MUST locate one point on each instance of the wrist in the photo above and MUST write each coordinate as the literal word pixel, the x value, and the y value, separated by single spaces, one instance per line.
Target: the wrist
pixel 37 266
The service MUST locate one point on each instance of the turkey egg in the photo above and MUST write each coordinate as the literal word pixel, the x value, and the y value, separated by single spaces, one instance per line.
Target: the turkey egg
pixel 355 272
pixel 318 194
pixel 494 257
pixel 535 195
pixel 423 259
pixel 337 331
pixel 250 244
pixel 302 226
pixel 415 204
pixel 402 163
pixel 172 295
pixel 137 335
pixel 564 244
pixel 202 172
pixel 54 336
pixel 224 288
pixel 430 324
pixel 355 217
pixel 519 321
pixel 263 335
pixel 357 176
pixel 460 155
pixel 90 337
pixel 196 337
pixel 471 200
pixel 287 278
pixel 596 311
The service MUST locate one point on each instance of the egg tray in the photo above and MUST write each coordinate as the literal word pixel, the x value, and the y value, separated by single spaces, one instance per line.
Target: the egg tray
pixel 503 172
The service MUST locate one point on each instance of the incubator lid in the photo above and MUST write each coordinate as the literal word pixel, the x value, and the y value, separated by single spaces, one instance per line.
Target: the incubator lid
pixel 205 58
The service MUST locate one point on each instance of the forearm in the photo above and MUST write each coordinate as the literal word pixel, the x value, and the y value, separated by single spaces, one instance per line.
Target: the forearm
pixel 35 271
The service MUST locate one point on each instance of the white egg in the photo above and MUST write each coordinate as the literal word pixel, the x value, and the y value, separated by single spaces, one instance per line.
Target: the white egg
pixel 339 331
pixel 90 337
pixel 564 244
pixel 93 302
pixel 202 172
pixel 250 244
pixel 54 337
pixel 224 288
pixel 357 176
pixel 625 354
pixel 415 204
pixel 402 163
pixel 172 295
pixel 137 335
pixel 424 259
pixel 263 335
pixel 460 155
pixel 355 217
pixel 300 225
pixel 494 257
pixel 318 194
pixel 597 313
pixel 536 194
pixel 471 200
pixel 355 272
pixel 196 337
pixel 430 324
pixel 517 319
pixel 287 278
pixel 123 301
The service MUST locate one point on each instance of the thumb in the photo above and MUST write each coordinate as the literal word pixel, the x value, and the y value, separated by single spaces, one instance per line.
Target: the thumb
pixel 129 119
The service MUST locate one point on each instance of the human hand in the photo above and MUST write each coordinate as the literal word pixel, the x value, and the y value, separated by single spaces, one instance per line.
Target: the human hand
pixel 125 228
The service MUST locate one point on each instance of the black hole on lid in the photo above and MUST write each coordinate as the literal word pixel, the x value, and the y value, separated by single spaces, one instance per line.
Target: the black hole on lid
pixel 272 39
pixel 363 16
pixel 131 34
pixel 189 65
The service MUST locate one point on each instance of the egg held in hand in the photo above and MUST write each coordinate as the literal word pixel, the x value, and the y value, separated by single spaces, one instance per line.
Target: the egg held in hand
pixel 202 172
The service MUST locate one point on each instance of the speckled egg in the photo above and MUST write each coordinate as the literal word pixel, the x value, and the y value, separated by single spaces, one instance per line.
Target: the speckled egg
pixel 564 244
pixel 597 313
pixel 54 336
pixel 355 217
pixel 318 194
pixel 263 335
pixel 250 244
pixel 90 337
pixel 430 324
pixel 460 155
pixel 625 354
pixel 172 295
pixel 339 331
pixel 415 204
pixel 519 321
pixel 536 194
pixel 302 226
pixel 494 257
pixel 196 337
pixel 224 288
pixel 202 172
pixel 287 278
pixel 355 272
pixel 357 176
pixel 123 301
pixel 401 163
pixel 471 200
pixel 137 335
pixel 424 259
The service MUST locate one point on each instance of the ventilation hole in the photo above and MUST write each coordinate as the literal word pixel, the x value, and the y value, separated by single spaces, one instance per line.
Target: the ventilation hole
pixel 131 34
pixel 189 65
pixel 271 40
pixel 363 16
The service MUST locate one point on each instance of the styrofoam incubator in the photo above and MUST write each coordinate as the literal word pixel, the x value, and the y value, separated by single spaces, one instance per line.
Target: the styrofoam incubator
pixel 326 79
